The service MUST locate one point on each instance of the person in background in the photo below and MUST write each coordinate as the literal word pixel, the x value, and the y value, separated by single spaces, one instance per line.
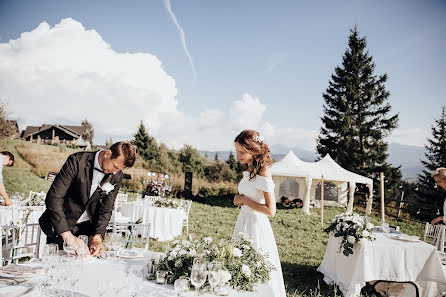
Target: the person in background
pixel 6 159
pixel 439 176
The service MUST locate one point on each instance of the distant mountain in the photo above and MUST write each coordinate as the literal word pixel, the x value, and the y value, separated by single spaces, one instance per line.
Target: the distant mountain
pixel 399 154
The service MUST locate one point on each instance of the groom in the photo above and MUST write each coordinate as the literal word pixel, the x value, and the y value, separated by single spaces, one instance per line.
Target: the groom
pixel 81 198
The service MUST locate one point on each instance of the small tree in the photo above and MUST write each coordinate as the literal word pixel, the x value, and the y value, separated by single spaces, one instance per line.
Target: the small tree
pixel 6 127
pixel 89 131
pixel 435 157
pixel 191 160
pixel 109 142
pixel 146 145
pixel 216 159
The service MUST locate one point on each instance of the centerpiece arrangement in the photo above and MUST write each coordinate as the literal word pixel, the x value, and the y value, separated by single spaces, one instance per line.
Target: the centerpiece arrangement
pixel 353 228
pixel 242 266
pixel 166 203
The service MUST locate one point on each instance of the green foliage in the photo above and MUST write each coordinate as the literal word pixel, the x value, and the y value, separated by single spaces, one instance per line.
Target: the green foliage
pixel 219 171
pixel 108 143
pixel 146 145
pixel 6 127
pixel 89 131
pixel 356 120
pixel 191 160
pixel 435 157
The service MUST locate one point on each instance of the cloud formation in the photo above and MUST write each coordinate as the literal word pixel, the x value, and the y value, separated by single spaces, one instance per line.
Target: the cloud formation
pixel 66 73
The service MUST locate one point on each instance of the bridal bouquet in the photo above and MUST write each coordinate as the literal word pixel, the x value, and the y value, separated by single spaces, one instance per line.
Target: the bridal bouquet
pixel 166 203
pixel 242 265
pixel 352 228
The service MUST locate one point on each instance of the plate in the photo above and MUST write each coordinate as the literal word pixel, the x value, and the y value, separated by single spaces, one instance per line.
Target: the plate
pixel 406 238
pixel 131 255
pixel 20 271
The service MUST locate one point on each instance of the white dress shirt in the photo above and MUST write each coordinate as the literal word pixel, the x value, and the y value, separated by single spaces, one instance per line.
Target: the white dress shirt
pixel 96 180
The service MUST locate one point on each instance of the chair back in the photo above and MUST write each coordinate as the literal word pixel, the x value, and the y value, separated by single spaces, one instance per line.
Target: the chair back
pixel 19 241
pixel 120 199
pixel 435 235
pixel 22 214
pixel 186 205
pixel 135 234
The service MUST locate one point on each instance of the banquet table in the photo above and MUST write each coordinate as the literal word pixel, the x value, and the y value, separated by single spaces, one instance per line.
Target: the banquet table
pixel 166 223
pixel 387 259
pixel 95 271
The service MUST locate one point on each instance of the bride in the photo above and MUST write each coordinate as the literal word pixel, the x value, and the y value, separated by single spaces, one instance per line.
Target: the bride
pixel 257 201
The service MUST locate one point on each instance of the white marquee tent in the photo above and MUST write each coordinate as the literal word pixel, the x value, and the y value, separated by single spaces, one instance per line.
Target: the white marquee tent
pixel 296 178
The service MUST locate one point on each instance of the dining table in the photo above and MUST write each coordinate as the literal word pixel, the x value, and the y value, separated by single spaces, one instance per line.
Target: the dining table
pixel 165 223
pixel 114 273
pixel 393 258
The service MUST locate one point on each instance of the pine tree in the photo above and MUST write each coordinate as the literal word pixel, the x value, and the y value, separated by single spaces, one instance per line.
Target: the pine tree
pixel 356 121
pixel 216 159
pixel 89 131
pixel 435 157
pixel 231 161
pixel 146 145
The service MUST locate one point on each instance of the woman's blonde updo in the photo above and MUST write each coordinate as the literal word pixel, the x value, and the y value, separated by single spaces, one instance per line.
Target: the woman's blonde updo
pixel 253 143
pixel 440 173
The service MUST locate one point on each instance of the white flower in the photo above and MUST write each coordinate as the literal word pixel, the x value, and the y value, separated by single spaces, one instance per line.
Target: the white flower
pixel 107 187
pixel 365 233
pixel 192 253
pixel 246 271
pixel 246 247
pixel 224 276
pixel 243 235
pixel 170 258
pixel 369 226
pixel 208 240
pixel 355 220
pixel 182 252
pixel 351 239
pixel 237 253
pixel 173 254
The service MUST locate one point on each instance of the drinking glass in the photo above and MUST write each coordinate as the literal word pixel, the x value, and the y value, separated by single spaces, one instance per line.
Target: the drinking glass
pixel 116 243
pixel 198 273
pixel 214 271
pixel 161 277
pixel 75 273
pixel 68 248
pixel 136 274
pixel 181 285
pixel 386 229
pixel 49 254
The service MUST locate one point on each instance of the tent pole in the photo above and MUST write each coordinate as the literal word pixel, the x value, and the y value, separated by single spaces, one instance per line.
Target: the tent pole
pixel 322 199
pixel 381 180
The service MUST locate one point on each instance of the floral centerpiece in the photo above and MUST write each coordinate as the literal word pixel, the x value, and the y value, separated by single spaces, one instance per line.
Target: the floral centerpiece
pixel 166 203
pixel 352 228
pixel 37 199
pixel 243 266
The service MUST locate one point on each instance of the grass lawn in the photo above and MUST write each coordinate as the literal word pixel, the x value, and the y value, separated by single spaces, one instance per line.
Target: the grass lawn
pixel 300 237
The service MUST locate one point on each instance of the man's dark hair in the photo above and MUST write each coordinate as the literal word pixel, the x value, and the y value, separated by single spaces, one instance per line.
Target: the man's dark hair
pixel 125 149
pixel 10 155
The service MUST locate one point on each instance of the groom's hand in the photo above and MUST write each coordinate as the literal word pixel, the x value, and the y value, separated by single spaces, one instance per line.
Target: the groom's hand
pixel 96 246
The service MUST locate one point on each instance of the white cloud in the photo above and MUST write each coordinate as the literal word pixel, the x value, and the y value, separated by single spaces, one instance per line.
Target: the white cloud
pixel 415 137
pixel 247 112
pixel 66 73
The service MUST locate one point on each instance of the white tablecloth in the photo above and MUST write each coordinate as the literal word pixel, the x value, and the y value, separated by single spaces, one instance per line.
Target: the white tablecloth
pixel 384 259
pixel 166 223
pixel 96 271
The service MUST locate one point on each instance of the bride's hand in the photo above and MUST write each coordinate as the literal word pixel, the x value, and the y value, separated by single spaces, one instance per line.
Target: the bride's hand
pixel 239 200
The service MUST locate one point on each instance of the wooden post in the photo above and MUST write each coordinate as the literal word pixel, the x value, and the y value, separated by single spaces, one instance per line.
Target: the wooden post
pixel 401 205
pixel 322 199
pixel 381 180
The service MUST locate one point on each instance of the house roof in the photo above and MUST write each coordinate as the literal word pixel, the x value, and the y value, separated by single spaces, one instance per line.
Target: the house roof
pixel 75 131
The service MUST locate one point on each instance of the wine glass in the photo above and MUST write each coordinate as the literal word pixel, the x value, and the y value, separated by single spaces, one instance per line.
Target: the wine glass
pixel 116 243
pixel 198 273
pixel 68 248
pixel 214 271
pixel 386 229
pixel 75 273
pixel 136 273
pixel 181 285
pixel 49 254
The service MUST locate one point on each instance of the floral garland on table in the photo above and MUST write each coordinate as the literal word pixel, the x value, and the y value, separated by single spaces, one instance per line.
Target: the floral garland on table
pixel 352 228
pixel 36 200
pixel 242 265
pixel 166 203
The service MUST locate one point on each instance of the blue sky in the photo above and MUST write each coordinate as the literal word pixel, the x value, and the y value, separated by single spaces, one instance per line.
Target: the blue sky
pixel 255 64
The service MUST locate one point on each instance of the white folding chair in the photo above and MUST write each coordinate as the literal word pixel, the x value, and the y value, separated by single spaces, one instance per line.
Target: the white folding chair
pixel 134 233
pixel 19 241
pixel 435 235
pixel 26 214
pixel 186 205
pixel 120 199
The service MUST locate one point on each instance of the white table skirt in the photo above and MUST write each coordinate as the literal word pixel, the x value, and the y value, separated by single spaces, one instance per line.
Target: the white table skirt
pixel 96 271
pixel 383 259
pixel 166 223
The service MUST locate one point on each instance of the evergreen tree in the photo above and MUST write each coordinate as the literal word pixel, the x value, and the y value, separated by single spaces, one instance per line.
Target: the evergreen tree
pixel 108 143
pixel 356 120
pixel 89 131
pixel 191 160
pixel 435 157
pixel 216 159
pixel 231 161
pixel 146 145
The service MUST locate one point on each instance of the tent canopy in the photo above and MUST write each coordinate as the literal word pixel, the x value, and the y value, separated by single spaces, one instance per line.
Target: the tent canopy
pixel 292 166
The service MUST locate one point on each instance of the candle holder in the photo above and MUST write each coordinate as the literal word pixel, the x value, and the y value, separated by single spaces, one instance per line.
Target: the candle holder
pixel 161 277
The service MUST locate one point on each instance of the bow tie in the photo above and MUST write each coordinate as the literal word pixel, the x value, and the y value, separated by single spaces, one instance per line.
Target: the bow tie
pixel 100 170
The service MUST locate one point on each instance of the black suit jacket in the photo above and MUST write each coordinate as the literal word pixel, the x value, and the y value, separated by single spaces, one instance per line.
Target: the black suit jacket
pixel 69 196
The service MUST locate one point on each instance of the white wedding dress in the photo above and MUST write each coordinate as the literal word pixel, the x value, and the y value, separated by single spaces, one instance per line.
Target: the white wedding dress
pixel 256 225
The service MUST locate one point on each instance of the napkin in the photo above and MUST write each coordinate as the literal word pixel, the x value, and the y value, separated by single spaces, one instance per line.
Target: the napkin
pixel 14 269
pixel 16 291
pixel 134 252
